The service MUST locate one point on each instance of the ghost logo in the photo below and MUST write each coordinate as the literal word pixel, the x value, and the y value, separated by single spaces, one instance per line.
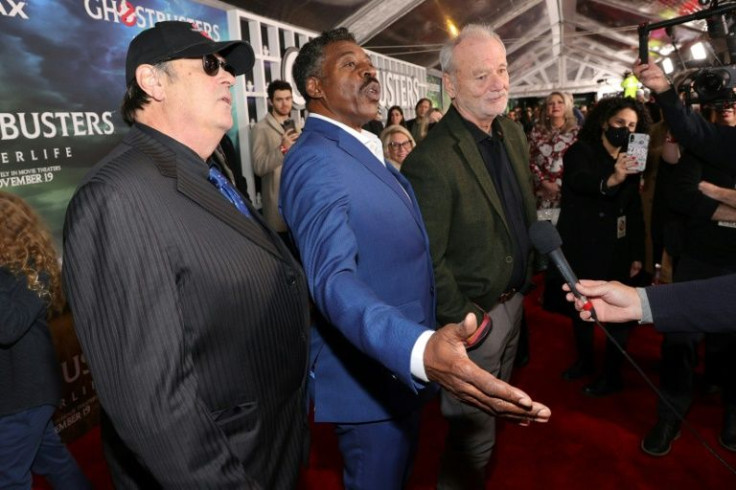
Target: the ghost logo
pixel 11 8
pixel 127 13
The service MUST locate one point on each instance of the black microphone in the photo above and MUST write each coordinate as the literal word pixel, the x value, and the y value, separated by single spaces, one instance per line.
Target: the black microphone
pixel 546 240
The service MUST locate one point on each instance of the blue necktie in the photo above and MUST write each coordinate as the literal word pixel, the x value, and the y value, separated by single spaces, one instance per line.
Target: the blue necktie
pixel 227 189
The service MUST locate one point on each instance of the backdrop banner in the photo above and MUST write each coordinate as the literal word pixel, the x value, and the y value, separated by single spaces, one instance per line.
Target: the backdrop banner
pixel 61 83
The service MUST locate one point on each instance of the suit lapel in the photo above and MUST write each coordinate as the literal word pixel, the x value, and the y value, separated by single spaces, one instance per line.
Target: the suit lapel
pixel 417 213
pixel 350 145
pixel 357 150
pixel 191 181
pixel 469 149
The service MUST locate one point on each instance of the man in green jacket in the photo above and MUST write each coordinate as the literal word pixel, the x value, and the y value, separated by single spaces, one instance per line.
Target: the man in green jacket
pixel 472 180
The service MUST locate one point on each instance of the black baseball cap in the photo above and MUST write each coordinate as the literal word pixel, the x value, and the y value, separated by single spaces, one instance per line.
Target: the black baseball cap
pixel 171 40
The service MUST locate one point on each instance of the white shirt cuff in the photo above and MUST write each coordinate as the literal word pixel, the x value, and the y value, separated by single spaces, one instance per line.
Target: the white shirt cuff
pixel 417 356
pixel 646 310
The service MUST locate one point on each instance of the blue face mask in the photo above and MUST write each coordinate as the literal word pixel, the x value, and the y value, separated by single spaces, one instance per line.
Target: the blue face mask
pixel 618 137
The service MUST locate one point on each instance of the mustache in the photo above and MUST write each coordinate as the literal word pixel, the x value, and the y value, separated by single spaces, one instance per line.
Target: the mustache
pixel 368 80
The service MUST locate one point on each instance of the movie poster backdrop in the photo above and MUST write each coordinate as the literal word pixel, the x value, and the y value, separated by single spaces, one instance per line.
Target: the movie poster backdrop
pixel 61 83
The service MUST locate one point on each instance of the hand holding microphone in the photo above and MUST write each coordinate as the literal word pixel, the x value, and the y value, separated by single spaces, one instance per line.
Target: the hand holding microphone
pixel 546 240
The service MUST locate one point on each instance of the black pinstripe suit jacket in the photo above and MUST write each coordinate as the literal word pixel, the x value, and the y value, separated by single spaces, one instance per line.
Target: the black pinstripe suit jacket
pixel 193 319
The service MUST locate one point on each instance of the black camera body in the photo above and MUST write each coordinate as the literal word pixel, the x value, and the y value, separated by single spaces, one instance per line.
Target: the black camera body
pixel 715 84
pixel 288 125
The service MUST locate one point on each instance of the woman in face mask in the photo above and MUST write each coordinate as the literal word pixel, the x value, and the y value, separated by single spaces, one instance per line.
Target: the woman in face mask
pixel 601 224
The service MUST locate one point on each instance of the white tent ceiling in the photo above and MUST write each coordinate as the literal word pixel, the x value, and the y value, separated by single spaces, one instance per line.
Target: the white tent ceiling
pixel 571 45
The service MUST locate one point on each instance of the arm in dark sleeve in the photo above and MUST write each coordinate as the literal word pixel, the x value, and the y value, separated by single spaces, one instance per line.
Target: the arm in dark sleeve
pixel 582 174
pixel 696 306
pixel 684 196
pixel 19 307
pixel 715 144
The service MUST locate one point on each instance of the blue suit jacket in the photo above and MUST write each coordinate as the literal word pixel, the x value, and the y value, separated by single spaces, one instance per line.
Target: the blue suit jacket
pixel 366 255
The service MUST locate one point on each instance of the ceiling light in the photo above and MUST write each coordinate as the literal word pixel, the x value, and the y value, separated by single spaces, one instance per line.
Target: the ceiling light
pixel 452 28
pixel 697 50
pixel 667 66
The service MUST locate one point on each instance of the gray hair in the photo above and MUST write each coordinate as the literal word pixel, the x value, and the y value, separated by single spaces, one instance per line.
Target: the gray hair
pixel 483 31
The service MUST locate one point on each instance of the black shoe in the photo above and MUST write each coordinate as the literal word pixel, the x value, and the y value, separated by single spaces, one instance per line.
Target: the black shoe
pixel 603 387
pixel 578 370
pixel 658 441
pixel 727 438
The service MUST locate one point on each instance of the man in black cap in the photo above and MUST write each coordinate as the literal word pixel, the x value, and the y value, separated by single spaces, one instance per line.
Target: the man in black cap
pixel 191 312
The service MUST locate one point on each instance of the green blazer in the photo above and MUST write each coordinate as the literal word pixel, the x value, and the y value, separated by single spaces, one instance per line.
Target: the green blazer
pixel 469 237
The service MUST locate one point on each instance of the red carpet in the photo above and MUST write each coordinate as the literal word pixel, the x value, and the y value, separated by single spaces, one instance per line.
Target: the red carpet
pixel 589 443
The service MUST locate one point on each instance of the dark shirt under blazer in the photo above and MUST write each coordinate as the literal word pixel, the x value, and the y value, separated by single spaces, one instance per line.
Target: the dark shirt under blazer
pixel 193 319
pixel 458 198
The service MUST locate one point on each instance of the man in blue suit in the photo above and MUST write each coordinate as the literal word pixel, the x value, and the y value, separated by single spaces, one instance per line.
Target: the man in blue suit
pixel 365 251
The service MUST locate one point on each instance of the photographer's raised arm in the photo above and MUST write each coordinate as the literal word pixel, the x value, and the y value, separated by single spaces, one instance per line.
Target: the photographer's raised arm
pixel 722 194
pixel 713 143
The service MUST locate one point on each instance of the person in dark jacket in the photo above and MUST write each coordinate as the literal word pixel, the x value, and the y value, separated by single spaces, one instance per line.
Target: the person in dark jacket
pixel 702 306
pixel 30 381
pixel 601 223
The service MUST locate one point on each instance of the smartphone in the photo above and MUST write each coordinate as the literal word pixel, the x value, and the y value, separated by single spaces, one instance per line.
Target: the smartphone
pixel 288 125
pixel 638 147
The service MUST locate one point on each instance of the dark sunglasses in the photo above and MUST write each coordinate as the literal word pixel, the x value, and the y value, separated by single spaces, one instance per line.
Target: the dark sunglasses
pixel 212 64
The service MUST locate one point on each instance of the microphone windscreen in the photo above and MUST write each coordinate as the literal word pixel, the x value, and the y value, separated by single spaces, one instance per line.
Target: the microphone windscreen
pixel 544 236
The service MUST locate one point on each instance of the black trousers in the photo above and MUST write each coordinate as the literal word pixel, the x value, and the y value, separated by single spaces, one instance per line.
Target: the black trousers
pixel 680 353
pixel 613 359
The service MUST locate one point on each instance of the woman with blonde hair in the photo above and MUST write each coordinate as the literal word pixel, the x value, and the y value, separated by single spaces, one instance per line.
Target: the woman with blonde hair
pixel 30 382
pixel 397 144
pixel 550 138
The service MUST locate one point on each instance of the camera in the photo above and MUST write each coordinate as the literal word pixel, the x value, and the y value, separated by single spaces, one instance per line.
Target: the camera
pixel 714 84
pixel 288 125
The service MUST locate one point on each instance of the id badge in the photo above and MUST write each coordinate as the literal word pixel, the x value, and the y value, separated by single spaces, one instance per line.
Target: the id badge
pixel 621 227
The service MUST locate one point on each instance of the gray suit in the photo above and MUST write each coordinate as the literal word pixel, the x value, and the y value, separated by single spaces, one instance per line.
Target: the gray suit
pixel 193 319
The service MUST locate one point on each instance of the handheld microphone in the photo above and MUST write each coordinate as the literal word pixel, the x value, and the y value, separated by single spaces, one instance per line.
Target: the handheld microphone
pixel 546 240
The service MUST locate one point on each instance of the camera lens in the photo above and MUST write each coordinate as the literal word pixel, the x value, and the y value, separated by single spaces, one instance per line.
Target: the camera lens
pixel 709 84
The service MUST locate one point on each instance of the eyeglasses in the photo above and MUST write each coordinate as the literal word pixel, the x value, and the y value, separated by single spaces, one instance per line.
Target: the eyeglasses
pixel 395 145
pixel 212 64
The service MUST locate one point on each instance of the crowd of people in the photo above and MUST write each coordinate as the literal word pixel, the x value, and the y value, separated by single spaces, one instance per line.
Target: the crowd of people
pixel 388 265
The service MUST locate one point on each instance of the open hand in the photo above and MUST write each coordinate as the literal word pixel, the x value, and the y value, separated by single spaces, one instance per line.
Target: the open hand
pixel 447 363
